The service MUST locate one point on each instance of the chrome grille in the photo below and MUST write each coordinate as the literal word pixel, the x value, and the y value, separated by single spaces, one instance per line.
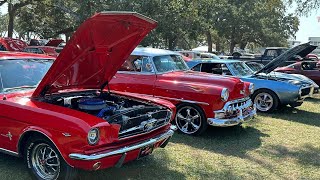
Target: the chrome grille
pixel 233 108
pixel 144 123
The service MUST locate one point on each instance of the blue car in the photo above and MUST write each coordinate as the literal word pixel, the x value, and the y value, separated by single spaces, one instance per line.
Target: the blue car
pixel 271 90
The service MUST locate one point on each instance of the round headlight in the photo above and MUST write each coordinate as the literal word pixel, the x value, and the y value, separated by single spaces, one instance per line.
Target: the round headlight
pixel 93 136
pixel 251 88
pixel 224 94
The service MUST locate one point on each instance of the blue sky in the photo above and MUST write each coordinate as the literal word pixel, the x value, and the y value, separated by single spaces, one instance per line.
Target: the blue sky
pixel 309 26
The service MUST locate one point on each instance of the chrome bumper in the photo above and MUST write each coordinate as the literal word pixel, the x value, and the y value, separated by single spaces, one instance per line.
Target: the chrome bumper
pixel 123 150
pixel 245 103
pixel 233 121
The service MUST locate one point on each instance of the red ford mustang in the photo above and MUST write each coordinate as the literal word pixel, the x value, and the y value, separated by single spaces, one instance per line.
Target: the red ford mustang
pixel 58 117
pixel 201 99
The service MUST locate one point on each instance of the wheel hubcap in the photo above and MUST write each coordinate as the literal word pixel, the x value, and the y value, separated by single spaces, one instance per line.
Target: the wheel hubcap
pixel 188 120
pixel 45 161
pixel 263 101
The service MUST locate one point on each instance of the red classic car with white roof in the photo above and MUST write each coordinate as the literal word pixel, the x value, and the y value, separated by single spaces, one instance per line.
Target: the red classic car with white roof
pixel 57 115
pixel 201 99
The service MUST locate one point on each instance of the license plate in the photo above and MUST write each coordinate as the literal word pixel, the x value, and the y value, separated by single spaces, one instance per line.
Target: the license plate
pixel 145 151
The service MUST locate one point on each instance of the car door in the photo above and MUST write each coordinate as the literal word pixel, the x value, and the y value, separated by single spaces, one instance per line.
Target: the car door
pixel 136 75
pixel 8 129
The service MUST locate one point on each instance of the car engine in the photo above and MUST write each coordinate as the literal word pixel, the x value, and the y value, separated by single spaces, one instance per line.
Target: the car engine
pixel 134 117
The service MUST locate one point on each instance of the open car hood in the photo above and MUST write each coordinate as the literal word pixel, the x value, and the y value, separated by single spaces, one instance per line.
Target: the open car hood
pixel 301 50
pixel 12 44
pixel 54 42
pixel 95 52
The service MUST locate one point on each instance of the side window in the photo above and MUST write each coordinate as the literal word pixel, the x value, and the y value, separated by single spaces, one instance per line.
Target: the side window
pixel 137 64
pixel 272 53
pixel 2 48
pixel 225 70
pixel 34 50
pixel 127 66
pixel 197 67
pixel 146 65
pixel 211 68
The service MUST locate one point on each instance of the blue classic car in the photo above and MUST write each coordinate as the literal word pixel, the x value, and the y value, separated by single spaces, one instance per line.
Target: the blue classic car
pixel 271 90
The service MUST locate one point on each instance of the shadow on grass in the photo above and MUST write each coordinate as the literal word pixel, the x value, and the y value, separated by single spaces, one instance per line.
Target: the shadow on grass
pixel 150 167
pixel 313 100
pixel 12 168
pixel 306 155
pixel 232 141
pixel 295 115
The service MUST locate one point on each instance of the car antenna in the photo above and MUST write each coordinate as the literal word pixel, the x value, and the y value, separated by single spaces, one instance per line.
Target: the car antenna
pixel 2 86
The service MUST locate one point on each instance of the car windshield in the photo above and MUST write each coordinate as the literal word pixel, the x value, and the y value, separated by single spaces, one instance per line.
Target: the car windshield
pixel 22 74
pixel 168 63
pixel 240 69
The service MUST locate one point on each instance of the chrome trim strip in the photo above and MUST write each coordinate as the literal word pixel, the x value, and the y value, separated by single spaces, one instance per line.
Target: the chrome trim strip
pixel 12 153
pixel 122 150
pixel 183 100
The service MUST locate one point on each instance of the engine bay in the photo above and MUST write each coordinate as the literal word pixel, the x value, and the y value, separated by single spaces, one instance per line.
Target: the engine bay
pixel 134 116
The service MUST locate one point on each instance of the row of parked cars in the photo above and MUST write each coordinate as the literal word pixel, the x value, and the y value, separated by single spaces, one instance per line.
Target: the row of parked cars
pixel 103 102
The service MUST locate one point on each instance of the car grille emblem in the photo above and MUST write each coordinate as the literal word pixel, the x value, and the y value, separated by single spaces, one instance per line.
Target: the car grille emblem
pixel 148 125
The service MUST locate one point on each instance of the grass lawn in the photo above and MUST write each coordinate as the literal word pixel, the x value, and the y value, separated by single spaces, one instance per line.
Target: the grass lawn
pixel 282 145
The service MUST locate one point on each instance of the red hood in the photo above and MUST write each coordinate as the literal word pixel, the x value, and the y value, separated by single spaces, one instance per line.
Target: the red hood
pixel 13 44
pixel 96 51
pixel 54 42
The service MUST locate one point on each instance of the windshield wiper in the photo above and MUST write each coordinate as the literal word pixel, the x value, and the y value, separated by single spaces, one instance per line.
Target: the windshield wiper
pixel 18 88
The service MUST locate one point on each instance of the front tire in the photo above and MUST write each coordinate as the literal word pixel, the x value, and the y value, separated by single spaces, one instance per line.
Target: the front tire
pixel 265 100
pixel 190 119
pixel 44 161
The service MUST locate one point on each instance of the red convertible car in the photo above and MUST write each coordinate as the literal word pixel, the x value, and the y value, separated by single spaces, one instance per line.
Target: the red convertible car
pixel 201 99
pixel 311 69
pixel 57 115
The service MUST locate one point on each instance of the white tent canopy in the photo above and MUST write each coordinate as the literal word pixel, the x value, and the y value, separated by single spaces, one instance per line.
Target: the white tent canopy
pixel 202 49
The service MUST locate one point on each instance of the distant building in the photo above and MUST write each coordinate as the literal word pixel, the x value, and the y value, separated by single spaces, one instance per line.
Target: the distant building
pixel 293 43
pixel 315 41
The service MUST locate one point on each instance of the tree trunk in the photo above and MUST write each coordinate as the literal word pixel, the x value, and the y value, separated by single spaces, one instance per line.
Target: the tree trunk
pixel 232 41
pixel 209 40
pixel 11 14
pixel 172 43
pixel 218 45
pixel 243 45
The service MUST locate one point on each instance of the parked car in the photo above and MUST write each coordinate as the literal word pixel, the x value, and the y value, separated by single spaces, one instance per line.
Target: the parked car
pixel 306 68
pixel 48 49
pixel 270 91
pixel 58 116
pixel 196 55
pixel 201 99
pixel 257 66
pixel 271 53
pixel 11 44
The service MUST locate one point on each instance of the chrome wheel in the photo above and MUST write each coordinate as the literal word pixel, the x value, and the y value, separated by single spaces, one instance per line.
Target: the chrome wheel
pixel 264 101
pixel 188 120
pixel 45 161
